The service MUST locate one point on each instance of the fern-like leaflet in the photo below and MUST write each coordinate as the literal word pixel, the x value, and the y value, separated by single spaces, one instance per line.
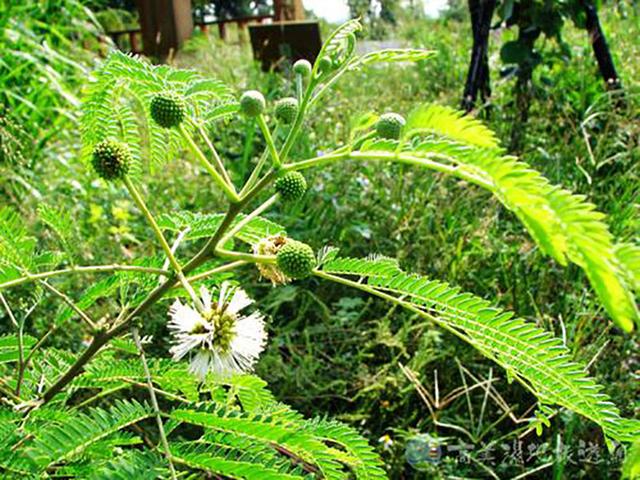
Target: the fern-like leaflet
pixel 533 356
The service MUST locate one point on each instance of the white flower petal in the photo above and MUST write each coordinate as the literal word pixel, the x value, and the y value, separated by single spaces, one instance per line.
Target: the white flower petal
pixel 194 334
pixel 184 318
pixel 239 301
pixel 205 295
pixel 199 365
pixel 222 294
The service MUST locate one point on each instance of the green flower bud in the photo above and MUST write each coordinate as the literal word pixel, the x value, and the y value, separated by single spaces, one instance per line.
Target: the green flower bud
pixel 303 68
pixel 325 65
pixel 286 110
pixel 252 103
pixel 111 160
pixel 296 259
pixel 291 186
pixel 389 126
pixel 168 109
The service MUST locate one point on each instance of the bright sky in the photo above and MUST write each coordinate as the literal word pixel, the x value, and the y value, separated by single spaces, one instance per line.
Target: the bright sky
pixel 338 10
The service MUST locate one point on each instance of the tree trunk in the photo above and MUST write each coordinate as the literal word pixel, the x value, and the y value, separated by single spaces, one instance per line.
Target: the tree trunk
pixel 478 75
pixel 600 47
pixel 523 89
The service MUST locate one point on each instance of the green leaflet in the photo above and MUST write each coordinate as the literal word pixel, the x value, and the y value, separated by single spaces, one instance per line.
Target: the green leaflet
pixel 313 442
pixel 117 105
pixel 17 247
pixel 629 256
pixel 392 55
pixel 65 440
pixel 246 466
pixel 566 226
pixel 145 465
pixel 340 44
pixel 534 356
pixel 453 124
pixel 9 349
pixel 205 225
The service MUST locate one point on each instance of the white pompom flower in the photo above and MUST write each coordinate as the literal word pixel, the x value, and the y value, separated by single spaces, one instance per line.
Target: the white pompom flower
pixel 219 340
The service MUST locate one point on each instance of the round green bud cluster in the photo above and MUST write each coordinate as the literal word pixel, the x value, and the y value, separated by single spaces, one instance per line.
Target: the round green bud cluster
pixel 286 110
pixel 389 126
pixel 168 109
pixel 252 103
pixel 291 186
pixel 111 160
pixel 303 68
pixel 296 259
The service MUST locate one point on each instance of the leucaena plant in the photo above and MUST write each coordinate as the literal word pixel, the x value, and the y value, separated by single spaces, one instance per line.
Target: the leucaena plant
pixel 135 111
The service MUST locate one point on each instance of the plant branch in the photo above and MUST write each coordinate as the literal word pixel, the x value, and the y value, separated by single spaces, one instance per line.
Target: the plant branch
pixel 273 151
pixel 103 337
pixel 163 242
pixel 216 157
pixel 228 189
pixel 65 298
pixel 20 327
pixel 154 401
pixel 32 277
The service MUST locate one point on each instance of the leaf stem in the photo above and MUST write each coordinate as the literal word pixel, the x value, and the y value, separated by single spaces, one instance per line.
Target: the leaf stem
pixel 213 271
pixel 247 257
pixel 455 170
pixel 273 151
pixel 216 157
pixel 20 327
pixel 154 401
pixel 65 298
pixel 247 219
pixel 32 277
pixel 228 189
pixel 163 243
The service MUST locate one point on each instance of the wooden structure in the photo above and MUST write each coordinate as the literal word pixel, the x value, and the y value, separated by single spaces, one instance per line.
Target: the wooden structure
pixel 242 23
pixel 134 38
pixel 285 41
pixel 165 25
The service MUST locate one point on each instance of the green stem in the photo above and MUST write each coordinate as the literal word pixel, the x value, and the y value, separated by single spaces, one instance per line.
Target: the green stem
pixel 65 298
pixel 247 257
pixel 216 157
pixel 214 271
pixel 20 328
pixel 228 189
pixel 154 402
pixel 299 87
pixel 273 151
pixel 163 242
pixel 255 174
pixel 32 277
pixel 455 170
pixel 245 221
pixel 297 123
